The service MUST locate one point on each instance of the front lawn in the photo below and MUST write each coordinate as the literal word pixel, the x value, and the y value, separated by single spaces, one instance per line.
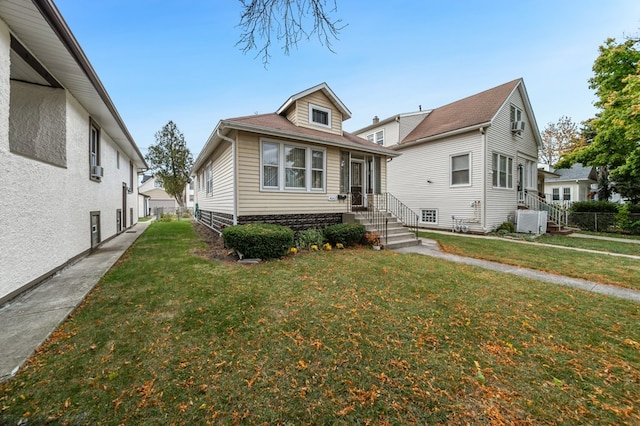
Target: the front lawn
pixel 601 268
pixel 333 337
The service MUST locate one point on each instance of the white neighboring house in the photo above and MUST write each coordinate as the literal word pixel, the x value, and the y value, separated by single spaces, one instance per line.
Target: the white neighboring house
pixel 578 183
pixel 156 197
pixel 392 130
pixel 69 164
pixel 471 162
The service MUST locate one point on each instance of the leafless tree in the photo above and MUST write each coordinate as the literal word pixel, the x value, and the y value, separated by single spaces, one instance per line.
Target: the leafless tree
pixel 288 21
pixel 559 139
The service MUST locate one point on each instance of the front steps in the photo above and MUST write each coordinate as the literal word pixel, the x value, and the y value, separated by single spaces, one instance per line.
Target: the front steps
pixel 397 235
pixel 555 229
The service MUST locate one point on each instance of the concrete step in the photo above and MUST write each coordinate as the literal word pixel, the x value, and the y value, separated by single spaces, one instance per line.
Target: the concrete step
pixel 407 242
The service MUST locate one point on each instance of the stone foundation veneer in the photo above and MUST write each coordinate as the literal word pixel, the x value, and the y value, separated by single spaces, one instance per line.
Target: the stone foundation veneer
pixel 297 222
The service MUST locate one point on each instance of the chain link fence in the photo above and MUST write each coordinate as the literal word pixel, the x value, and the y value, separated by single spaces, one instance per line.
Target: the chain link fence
pixel 605 222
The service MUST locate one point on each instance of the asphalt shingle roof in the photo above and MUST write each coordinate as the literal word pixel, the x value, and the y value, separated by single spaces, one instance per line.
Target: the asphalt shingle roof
pixel 471 111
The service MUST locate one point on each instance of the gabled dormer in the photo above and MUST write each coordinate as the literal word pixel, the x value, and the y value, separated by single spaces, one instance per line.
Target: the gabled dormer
pixel 316 108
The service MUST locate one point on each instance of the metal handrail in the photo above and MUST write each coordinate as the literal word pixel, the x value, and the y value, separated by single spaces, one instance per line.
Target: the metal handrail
pixel 380 206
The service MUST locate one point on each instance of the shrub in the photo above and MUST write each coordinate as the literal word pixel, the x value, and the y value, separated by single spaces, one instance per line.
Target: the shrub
pixel 310 237
pixel 346 234
pixel 167 217
pixel 594 206
pixel 259 240
pixel 506 228
pixel 627 219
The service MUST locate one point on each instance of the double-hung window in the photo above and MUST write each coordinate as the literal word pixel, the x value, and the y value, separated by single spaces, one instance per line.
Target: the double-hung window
pixel 287 167
pixel 566 194
pixel 502 169
pixel 295 167
pixel 319 116
pixel 208 175
pixel 317 169
pixel 516 114
pixel 94 151
pixel 460 169
pixel 270 165
pixel 377 137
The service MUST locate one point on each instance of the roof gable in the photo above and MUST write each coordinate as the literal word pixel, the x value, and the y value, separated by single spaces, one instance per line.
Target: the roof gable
pixel 324 88
pixel 473 111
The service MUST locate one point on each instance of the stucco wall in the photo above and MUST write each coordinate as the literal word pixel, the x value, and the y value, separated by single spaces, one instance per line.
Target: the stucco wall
pixel 45 218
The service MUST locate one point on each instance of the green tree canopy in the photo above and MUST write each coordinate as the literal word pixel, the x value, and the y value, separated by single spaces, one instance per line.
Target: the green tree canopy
pixel 170 161
pixel 616 144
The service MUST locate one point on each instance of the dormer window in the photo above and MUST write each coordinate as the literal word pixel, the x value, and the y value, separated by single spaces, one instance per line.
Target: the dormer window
pixel 319 116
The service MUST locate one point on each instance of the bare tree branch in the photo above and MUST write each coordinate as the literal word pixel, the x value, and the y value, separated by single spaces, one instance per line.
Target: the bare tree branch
pixel 289 21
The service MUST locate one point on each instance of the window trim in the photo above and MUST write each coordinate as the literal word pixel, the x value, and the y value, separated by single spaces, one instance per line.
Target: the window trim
pixel 308 181
pixel 451 157
pixel 495 170
pixel 436 215
pixel 322 109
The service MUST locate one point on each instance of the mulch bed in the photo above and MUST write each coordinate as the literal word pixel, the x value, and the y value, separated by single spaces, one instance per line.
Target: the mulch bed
pixel 215 245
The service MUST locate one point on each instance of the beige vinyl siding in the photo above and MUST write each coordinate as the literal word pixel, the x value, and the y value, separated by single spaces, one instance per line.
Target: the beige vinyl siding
pixel 253 201
pixel 408 177
pixel 502 203
pixel 221 198
pixel 320 99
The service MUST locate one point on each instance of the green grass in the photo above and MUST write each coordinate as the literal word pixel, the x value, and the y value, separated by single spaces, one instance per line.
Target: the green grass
pixel 601 268
pixel 591 244
pixel 341 337
pixel 609 234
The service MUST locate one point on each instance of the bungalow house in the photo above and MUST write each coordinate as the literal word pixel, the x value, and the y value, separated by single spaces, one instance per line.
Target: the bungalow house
pixel 295 167
pixel 467 165
pixel 566 186
pixel 69 165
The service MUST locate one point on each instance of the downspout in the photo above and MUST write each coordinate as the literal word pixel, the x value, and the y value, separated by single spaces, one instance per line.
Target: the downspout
pixel 234 174
pixel 483 221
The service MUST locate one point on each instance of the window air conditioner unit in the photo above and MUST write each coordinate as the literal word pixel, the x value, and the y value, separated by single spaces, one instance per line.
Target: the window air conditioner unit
pixel 97 171
pixel 517 126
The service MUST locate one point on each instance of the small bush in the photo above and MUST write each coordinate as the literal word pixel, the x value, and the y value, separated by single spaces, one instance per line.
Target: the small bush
pixel 506 228
pixel 306 239
pixel 346 234
pixel 166 217
pixel 259 240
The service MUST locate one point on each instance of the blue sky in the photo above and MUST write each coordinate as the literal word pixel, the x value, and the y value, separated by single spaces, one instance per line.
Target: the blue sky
pixel 177 60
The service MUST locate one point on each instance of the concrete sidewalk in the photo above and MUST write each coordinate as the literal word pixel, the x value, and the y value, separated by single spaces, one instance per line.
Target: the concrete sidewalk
pixel 28 320
pixel 431 248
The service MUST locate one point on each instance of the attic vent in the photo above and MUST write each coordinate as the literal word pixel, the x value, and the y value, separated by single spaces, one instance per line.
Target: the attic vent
pixel 517 127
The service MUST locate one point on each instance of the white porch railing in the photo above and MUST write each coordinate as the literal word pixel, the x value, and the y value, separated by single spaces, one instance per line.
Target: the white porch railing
pixel 556 213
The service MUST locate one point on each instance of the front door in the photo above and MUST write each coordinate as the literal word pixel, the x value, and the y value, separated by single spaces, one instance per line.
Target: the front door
pixel 357 184
pixel 124 204
pixel 95 229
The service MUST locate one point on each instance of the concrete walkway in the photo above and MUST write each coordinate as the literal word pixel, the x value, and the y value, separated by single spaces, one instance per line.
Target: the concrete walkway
pixel 28 320
pixel 431 248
